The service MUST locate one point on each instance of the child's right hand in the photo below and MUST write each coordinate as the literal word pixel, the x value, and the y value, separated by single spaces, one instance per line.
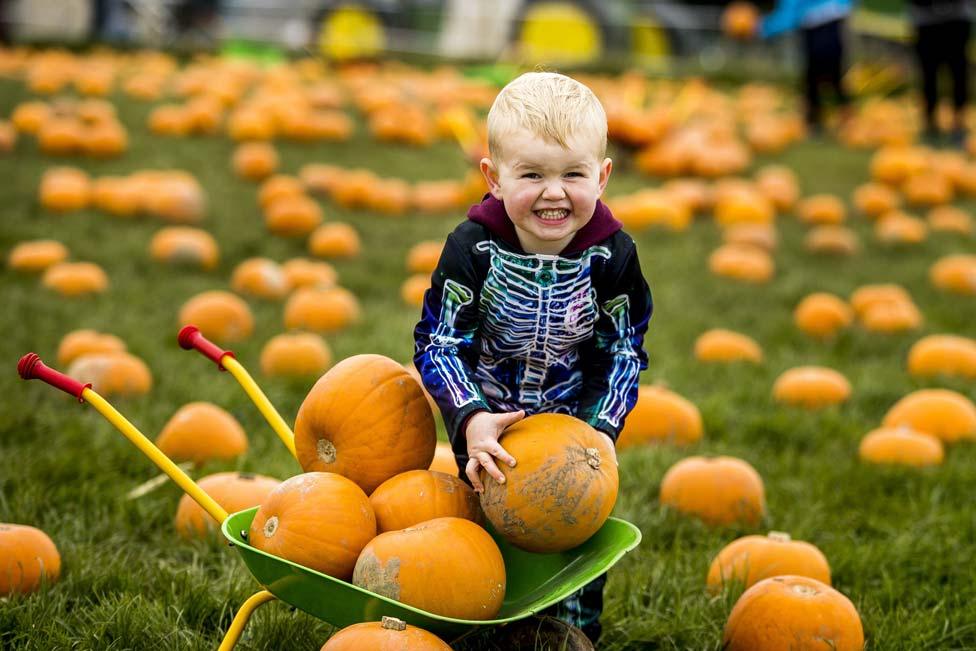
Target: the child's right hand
pixel 482 435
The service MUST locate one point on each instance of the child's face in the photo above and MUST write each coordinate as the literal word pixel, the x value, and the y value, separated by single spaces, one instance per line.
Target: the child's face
pixel 549 191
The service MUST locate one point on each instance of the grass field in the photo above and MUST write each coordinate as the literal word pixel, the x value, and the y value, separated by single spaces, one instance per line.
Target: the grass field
pixel 902 544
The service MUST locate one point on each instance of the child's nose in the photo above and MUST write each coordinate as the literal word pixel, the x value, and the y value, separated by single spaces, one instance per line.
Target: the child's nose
pixel 553 190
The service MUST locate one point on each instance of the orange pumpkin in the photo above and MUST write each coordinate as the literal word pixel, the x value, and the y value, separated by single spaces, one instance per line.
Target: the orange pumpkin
pixel 322 309
pixel 720 345
pixel 718 491
pixel 296 355
pixel 118 196
pixel 169 120
pixel 743 263
pixel 260 277
pixel 292 215
pixel 277 187
pixel 75 278
pixel 416 496
pixel 661 416
pixel 444 460
pixel 182 245
pixel 249 124
pixel 113 373
pixel 943 413
pixel 321 178
pixel 234 491
pixel 36 255
pixel 414 288
pixel 365 419
pixel 943 355
pixel 793 612
pixel 812 387
pixel 60 136
pixel 64 189
pixel 390 634
pixel 437 196
pixel 740 20
pixel 221 316
pixel 174 197
pixel 876 199
pixel 822 209
pixel 105 140
pixel 761 236
pixel 949 219
pixel 200 432
pixel 897 228
pixel 255 160
pixel 955 274
pixel 562 488
pixel 928 188
pixel 335 240
pixel 420 566
pixel 780 185
pixel 822 315
pixel 424 256
pixel 28 117
pixel 897 316
pixel 317 519
pixel 867 296
pixel 901 446
pixel 743 206
pixel 28 557
pixel 391 197
pixel 355 188
pixel 85 342
pixel 894 164
pixel 832 240
pixel 301 272
pixel 751 559
pixel 8 137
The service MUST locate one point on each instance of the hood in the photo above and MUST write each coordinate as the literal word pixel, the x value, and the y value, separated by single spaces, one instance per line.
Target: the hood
pixel 491 214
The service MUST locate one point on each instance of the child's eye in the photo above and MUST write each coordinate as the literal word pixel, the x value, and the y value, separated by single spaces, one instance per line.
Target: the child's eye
pixel 576 174
pixel 531 175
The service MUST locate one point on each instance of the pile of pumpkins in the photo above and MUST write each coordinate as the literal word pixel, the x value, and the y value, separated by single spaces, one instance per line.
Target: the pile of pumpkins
pixel 367 509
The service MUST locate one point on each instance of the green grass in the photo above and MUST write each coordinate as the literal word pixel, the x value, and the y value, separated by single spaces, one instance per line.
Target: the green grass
pixel 902 544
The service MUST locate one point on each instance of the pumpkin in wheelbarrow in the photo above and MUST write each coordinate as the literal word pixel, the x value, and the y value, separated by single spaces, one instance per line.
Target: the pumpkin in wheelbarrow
pixel 317 519
pixel 447 566
pixel 365 419
pixel 391 634
pixel 562 488
pixel 416 496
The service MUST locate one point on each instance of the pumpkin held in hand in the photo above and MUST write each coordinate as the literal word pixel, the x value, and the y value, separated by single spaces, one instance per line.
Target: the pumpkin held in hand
pixel 562 488
pixel 447 566
pixel 318 519
pixel 365 419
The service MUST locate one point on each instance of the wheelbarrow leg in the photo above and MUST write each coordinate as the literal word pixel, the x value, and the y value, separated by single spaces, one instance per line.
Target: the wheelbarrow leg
pixel 240 619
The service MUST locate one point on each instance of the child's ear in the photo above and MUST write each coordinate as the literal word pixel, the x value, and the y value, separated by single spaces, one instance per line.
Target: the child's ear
pixel 490 172
pixel 605 168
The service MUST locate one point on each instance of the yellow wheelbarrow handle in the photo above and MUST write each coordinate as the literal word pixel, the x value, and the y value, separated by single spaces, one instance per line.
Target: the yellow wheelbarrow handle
pixel 31 367
pixel 191 338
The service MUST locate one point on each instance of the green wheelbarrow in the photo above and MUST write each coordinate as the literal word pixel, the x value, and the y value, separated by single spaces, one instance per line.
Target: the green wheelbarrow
pixel 533 581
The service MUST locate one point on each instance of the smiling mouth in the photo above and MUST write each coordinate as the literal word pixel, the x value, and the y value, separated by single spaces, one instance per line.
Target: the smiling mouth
pixel 552 215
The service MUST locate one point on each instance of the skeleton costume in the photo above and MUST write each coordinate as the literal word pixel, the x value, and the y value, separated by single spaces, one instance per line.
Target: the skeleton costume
pixel 504 330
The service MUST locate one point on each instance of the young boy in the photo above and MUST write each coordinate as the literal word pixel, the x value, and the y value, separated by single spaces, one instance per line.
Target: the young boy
pixel 538 303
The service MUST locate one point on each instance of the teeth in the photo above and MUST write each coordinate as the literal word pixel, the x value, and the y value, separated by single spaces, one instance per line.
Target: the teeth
pixel 552 215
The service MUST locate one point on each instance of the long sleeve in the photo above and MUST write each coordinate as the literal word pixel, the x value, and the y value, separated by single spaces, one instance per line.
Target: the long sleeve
pixel 784 18
pixel 446 338
pixel 614 357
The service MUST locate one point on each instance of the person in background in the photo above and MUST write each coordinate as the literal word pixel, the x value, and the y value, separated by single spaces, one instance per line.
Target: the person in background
pixel 942 29
pixel 821 24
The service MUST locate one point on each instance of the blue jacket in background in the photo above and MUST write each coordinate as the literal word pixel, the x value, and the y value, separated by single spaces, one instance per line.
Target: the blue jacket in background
pixel 792 14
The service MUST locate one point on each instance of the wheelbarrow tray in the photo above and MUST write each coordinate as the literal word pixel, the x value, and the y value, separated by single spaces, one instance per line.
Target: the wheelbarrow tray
pixel 533 581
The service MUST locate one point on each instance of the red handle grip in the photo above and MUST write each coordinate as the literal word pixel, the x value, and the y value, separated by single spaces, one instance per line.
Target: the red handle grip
pixel 191 338
pixel 31 367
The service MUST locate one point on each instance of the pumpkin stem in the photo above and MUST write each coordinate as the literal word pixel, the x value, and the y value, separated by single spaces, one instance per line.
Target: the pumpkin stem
pixel 779 536
pixel 271 526
pixel 326 450
pixel 593 457
pixel 393 624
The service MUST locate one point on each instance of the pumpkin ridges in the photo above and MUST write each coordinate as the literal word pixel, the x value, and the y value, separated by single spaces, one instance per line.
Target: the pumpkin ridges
pixel 415 496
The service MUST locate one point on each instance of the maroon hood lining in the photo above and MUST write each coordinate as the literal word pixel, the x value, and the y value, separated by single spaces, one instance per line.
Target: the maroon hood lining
pixel 491 214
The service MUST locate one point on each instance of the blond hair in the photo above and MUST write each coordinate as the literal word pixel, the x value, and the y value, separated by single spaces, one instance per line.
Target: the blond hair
pixel 551 106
